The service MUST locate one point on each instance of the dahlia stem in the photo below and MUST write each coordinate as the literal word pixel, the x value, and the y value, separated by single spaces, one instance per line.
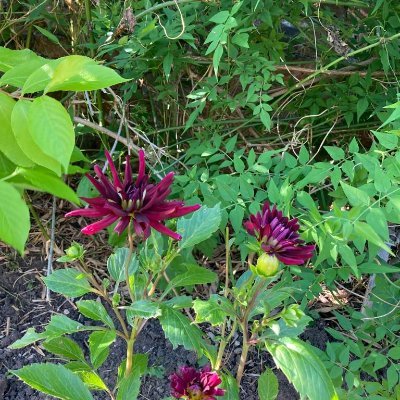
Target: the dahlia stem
pixel 245 328
pixel 129 352
pixel 127 263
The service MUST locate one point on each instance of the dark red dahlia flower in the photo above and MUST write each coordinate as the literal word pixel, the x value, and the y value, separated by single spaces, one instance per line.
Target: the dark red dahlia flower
pixel 132 201
pixel 192 384
pixel 278 236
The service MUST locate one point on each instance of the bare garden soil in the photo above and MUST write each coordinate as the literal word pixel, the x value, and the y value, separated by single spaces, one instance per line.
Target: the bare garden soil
pixel 23 305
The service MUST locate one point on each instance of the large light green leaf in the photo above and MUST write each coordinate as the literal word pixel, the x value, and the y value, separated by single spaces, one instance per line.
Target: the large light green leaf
pixel 80 73
pixel 31 336
pixel 199 227
pixel 303 368
pixel 99 346
pixel 60 325
pixel 194 275
pixel 55 380
pixel 18 75
pixel 179 330
pixel 21 129
pixel 43 180
pixel 268 385
pixel 51 128
pixel 11 58
pixel 8 143
pixel 14 217
pixel 64 347
pixel 363 230
pixel 130 385
pixel 69 282
pixel 39 79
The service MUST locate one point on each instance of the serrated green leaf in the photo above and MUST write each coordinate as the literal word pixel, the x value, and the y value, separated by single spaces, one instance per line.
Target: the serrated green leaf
pixel 55 380
pixel 116 264
pixel 14 217
pixel 230 386
pixel 199 226
pixel 363 230
pixel 387 140
pixel 268 386
pixel 39 79
pixel 303 368
pixel 64 347
pixel 236 217
pixel 336 153
pixel 143 309
pixel 60 325
pixel 11 58
pixel 92 380
pixel 69 282
pixel 99 346
pixel 96 311
pixel 214 310
pixel 194 275
pixel 179 330
pixel 31 336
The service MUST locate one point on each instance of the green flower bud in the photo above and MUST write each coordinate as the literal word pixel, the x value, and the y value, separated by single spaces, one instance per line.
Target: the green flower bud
pixel 75 251
pixel 267 265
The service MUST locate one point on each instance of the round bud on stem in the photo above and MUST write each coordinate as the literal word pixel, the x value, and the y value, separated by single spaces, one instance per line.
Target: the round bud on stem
pixel 267 265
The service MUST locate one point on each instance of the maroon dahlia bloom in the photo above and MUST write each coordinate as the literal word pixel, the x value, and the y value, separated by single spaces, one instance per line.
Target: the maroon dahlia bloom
pixel 279 236
pixel 192 384
pixel 137 201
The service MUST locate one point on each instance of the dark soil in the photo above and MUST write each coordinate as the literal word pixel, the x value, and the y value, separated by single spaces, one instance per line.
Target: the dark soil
pixel 22 305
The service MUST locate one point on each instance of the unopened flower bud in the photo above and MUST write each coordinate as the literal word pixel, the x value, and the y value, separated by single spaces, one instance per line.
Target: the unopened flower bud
pixel 267 265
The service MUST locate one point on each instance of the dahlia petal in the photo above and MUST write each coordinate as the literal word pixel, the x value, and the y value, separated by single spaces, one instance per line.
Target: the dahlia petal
pixel 114 173
pixel 164 230
pixel 180 212
pixel 128 172
pixel 87 212
pixel 122 225
pixel 250 227
pixel 99 225
pixel 102 190
pixel 94 201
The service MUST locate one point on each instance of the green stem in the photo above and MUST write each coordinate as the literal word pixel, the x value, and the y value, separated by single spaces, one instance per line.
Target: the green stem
pixel 245 328
pixel 163 5
pixel 129 353
pixel 128 261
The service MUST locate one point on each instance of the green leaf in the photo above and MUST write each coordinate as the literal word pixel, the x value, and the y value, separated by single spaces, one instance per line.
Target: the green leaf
pixel 220 17
pixel 129 386
pixel 99 346
pixel 236 217
pixel 382 268
pixel 53 38
pixel 31 336
pixel 268 385
pixel 336 153
pixel 21 129
pixel 365 231
pixel 61 325
pixel 217 57
pixel 303 368
pixel 179 330
pixel 355 196
pixel 8 144
pixel 64 347
pixel 92 380
pixel 194 275
pixel 96 311
pixel 362 106
pixel 18 75
pixel 214 310
pixel 79 73
pixel 12 58
pixel 143 309
pixel 241 39
pixel 55 380
pixel 51 129
pixel 39 79
pixel 199 226
pixel 116 264
pixel 238 164
pixel 14 217
pixel 69 282
pixel 387 140
pixel 44 180
pixel 230 386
